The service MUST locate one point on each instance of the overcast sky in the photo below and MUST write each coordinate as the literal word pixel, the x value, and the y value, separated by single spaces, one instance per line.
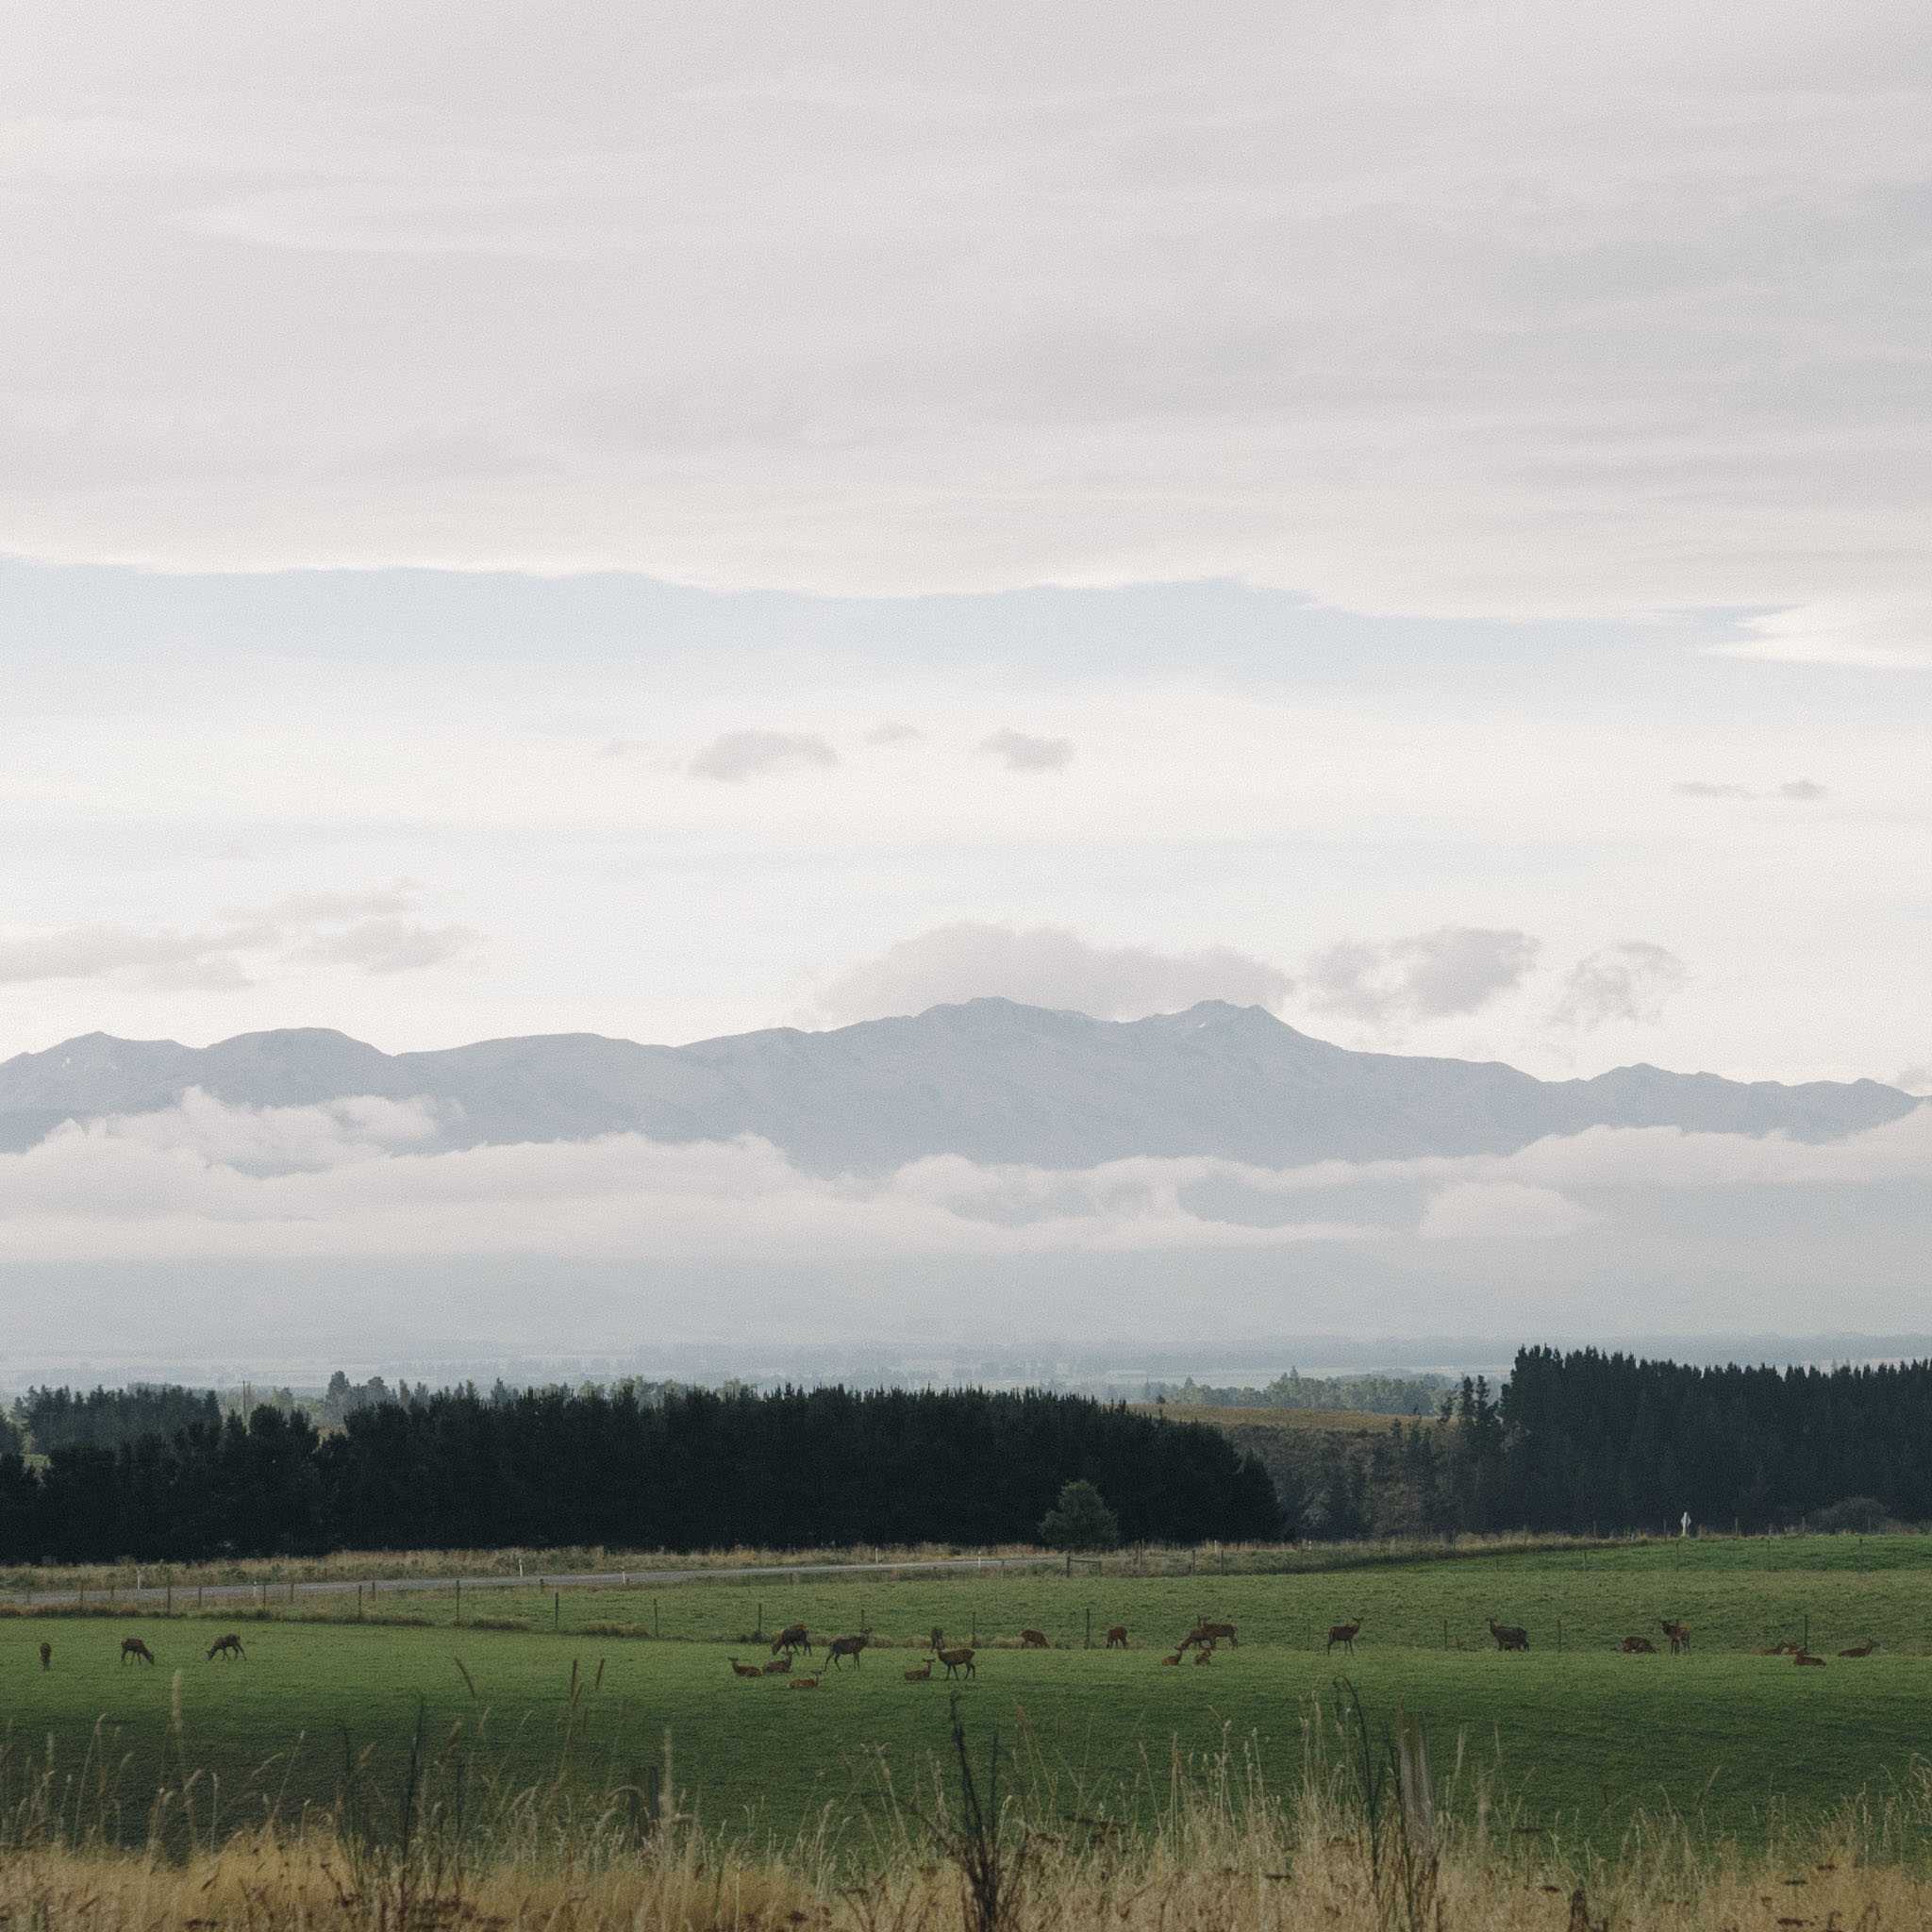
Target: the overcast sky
pixel 611 517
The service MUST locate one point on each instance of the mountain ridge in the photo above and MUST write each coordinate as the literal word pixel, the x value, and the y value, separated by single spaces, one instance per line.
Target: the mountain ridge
pixel 990 1079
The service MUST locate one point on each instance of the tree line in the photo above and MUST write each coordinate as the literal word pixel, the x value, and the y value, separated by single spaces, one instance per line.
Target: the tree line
pixel 1585 1440
pixel 690 1469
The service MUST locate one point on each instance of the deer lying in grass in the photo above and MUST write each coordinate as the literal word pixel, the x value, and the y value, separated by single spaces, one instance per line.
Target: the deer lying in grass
pixel 1508 1636
pixel 1679 1635
pixel 1344 1633
pixel 921 1674
pixel 1205 1632
pixel 134 1647
pixel 1782 1650
pixel 1117 1637
pixel 226 1647
pixel 1864 1649
pixel 810 1683
pixel 846 1646
pixel 960 1658
pixel 1034 1639
pixel 1638 1646
pixel 1805 1656
pixel 739 1670
pixel 778 1667
pixel 1204 1656
pixel 1174 1659
pixel 793 1637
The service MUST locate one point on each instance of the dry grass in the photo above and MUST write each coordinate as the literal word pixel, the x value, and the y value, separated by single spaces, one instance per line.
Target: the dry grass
pixel 1368 1842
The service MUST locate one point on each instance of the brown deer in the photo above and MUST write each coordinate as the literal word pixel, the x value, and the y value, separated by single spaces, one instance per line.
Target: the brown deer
pixel 793 1637
pixel 1679 1635
pixel 1174 1659
pixel 778 1667
pixel 810 1683
pixel 1864 1649
pixel 921 1674
pixel 1205 1632
pixel 1204 1656
pixel 226 1647
pixel 46 1657
pixel 1117 1637
pixel 1344 1633
pixel 1508 1636
pixel 958 1658
pixel 739 1670
pixel 134 1647
pixel 846 1646
pixel 1782 1650
pixel 1805 1656
pixel 1638 1646
pixel 1034 1639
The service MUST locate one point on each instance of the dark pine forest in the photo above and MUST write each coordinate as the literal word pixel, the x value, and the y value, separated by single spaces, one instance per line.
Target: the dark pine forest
pixel 690 1469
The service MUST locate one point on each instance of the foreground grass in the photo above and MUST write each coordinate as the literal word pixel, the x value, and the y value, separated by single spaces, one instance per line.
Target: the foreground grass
pixel 1364 1837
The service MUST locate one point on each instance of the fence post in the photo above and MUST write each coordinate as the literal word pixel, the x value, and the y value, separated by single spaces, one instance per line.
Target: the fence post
pixel 656 1628
pixel 1089 1626
pixel 168 1607
pixel 359 1603
pixel 197 1599
pixel 556 1610
pixel 459 1603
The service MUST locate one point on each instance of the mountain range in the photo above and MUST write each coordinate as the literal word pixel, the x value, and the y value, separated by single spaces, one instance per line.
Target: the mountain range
pixel 988 1079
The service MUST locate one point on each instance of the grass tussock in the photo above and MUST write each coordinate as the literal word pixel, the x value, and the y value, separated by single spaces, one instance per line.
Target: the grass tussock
pixel 1377 1835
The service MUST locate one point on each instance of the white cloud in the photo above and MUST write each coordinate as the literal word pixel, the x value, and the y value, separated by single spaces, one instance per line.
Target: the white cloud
pixel 1020 751
pixel 91 952
pixel 1915 1080
pixel 741 755
pixel 1800 790
pixel 1045 966
pixel 1633 981
pixel 1502 1210
pixel 894 734
pixel 391 945
pixel 1454 970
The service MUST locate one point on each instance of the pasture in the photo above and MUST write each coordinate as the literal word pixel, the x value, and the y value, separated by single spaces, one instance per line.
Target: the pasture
pixel 1576 1740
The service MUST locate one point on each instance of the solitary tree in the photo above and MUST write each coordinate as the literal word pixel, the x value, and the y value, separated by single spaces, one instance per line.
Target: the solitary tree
pixel 1080 1520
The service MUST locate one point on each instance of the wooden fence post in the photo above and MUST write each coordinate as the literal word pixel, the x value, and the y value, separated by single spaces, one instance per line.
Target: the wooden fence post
pixel 556 1611
pixel 1089 1626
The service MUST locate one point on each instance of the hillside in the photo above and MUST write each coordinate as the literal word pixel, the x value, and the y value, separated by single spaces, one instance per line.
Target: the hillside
pixel 990 1080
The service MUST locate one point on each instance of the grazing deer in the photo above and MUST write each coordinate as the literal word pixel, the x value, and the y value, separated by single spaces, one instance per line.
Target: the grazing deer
pixel 1805 1656
pixel 778 1667
pixel 921 1674
pixel 1679 1635
pixel 1034 1639
pixel 1508 1636
pixel 46 1657
pixel 1205 1632
pixel 1344 1633
pixel 793 1637
pixel 1174 1659
pixel 846 1646
pixel 810 1683
pixel 1864 1649
pixel 958 1658
pixel 228 1646
pixel 739 1670
pixel 1638 1646
pixel 134 1647
pixel 1117 1637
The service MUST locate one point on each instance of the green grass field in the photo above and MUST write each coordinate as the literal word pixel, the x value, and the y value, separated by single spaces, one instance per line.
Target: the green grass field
pixel 1579 1738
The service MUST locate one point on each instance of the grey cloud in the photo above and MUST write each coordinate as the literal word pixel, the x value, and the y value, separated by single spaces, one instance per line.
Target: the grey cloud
pixel 1915 1080
pixel 314 908
pixel 1454 970
pixel 1490 217
pixel 1801 790
pixel 1020 751
pixel 1045 966
pixel 391 945
pixel 741 755
pixel 1632 981
pixel 894 734
pixel 89 951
